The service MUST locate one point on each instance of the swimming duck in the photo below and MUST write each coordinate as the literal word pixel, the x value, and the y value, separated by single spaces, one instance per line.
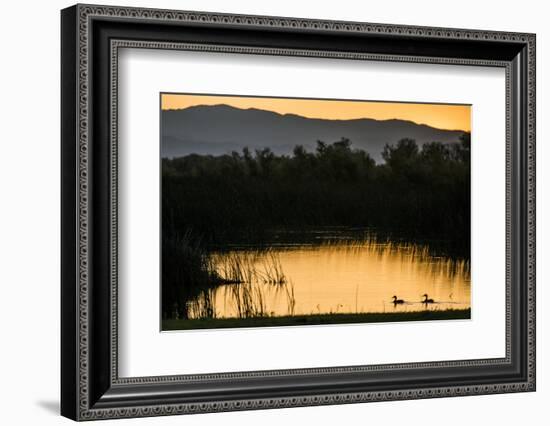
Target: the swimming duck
pixel 426 300
pixel 397 301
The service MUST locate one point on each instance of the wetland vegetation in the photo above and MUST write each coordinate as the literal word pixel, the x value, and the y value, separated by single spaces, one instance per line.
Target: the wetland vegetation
pixel 326 236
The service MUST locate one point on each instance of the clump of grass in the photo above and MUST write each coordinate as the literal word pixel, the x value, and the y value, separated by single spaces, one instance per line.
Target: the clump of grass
pixel 291 300
pixel 273 270
pixel 186 271
pixel 204 306
pixel 234 268
pixel 245 274
pixel 248 299
pixel 190 273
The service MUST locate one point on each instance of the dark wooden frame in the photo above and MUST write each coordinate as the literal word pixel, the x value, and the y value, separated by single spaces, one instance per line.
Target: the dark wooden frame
pixel 91 37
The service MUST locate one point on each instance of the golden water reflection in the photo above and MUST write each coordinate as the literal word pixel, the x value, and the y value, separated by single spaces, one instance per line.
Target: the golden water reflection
pixel 335 278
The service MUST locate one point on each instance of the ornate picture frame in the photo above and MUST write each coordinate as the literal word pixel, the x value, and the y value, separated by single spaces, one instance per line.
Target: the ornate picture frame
pixel 91 37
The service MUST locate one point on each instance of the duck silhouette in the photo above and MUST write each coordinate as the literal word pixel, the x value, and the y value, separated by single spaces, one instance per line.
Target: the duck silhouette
pixel 426 300
pixel 397 301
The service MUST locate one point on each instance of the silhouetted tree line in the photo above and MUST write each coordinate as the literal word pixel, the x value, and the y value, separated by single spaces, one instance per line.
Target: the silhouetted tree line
pixel 417 192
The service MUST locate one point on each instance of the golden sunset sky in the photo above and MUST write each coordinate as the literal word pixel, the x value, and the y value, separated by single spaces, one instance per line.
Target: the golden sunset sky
pixel 441 116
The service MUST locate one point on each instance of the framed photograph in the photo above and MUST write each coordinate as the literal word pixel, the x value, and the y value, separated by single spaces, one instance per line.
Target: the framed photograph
pixel 263 212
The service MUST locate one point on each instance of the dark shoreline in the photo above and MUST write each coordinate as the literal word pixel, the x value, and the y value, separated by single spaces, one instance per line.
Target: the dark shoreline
pixel 315 319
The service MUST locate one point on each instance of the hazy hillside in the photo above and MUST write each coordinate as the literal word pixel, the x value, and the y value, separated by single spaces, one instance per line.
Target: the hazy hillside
pixel 221 129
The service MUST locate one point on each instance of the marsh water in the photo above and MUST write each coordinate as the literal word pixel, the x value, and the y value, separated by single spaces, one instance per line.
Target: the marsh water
pixel 330 272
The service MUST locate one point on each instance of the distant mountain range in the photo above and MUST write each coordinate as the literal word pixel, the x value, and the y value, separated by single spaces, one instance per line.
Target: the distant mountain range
pixel 221 129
